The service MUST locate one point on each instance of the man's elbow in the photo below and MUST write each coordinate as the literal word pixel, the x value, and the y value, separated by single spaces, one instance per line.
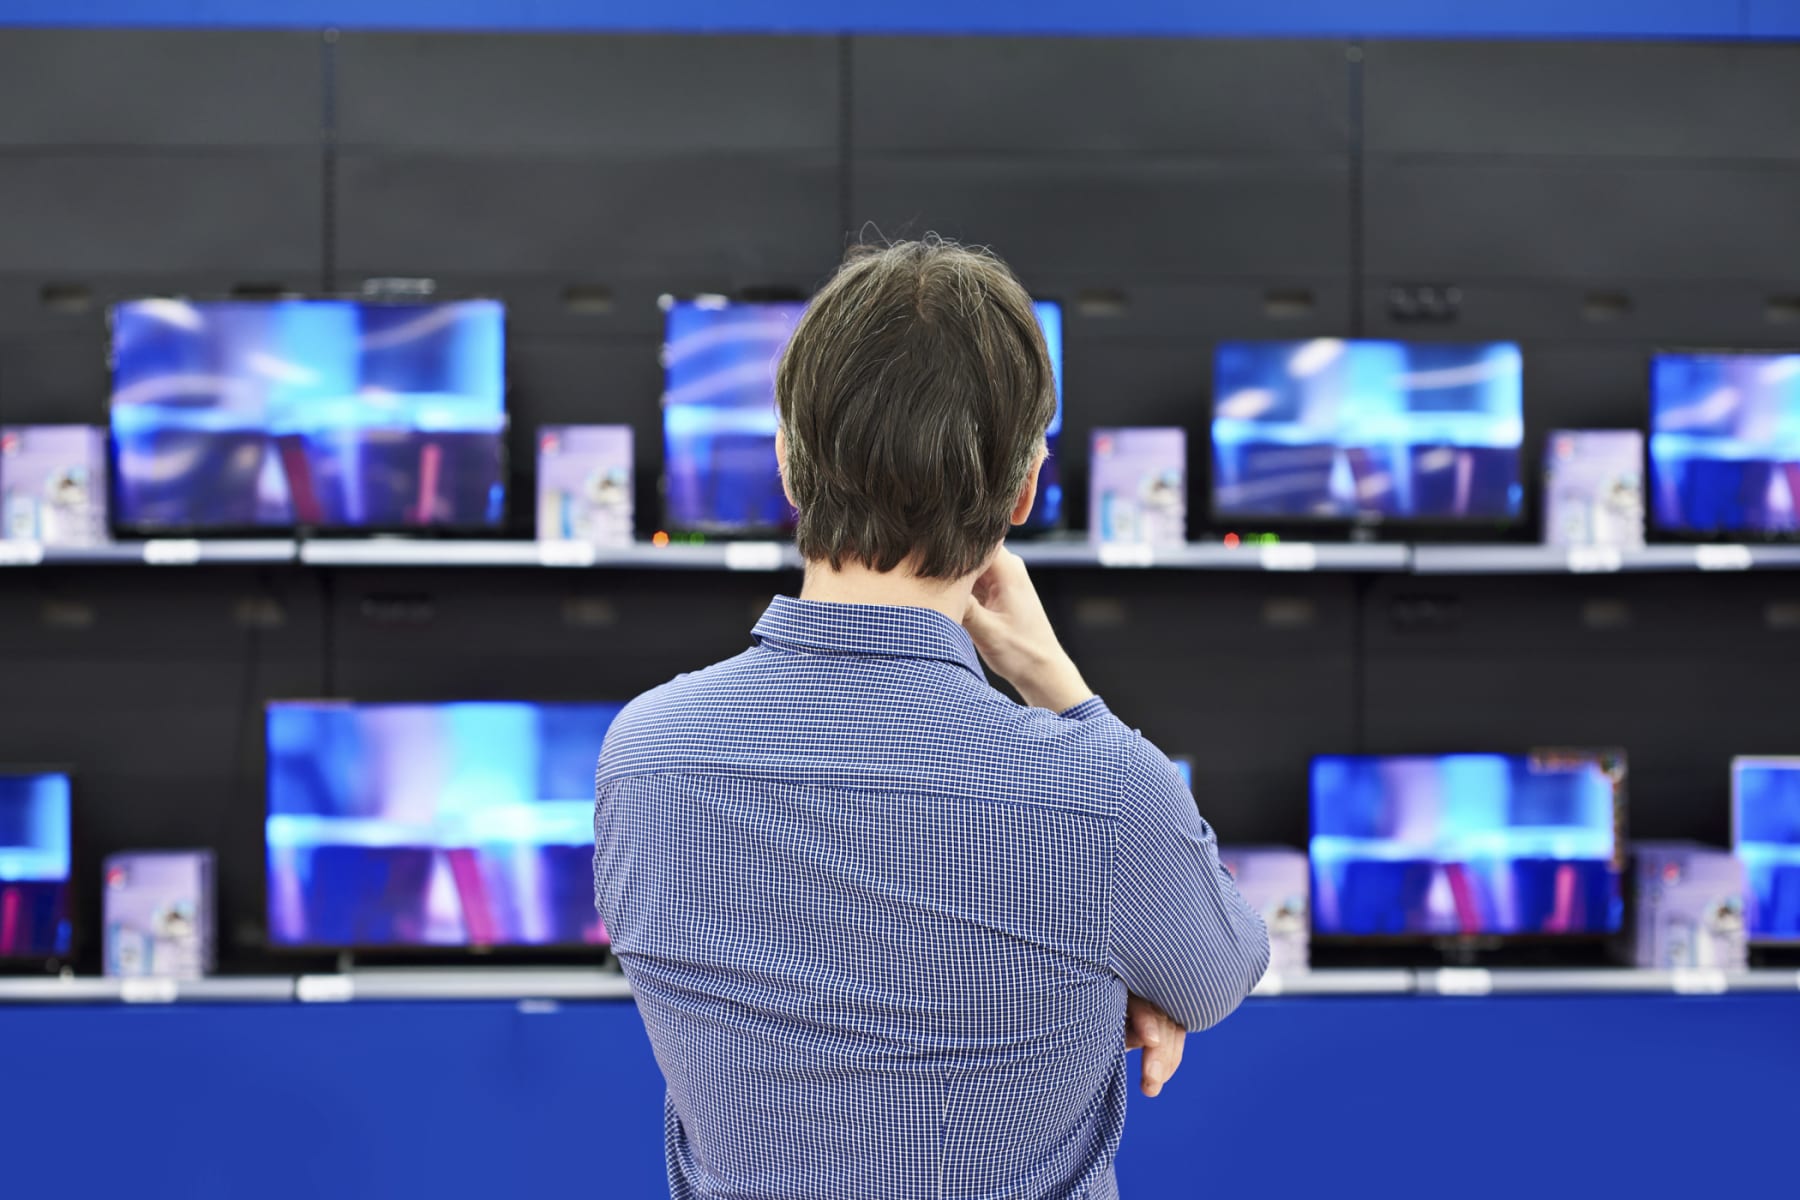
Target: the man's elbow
pixel 1234 973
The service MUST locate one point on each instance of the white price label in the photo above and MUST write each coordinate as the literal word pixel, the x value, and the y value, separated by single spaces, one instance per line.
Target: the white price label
pixel 1722 558
pixel 324 989
pixel 1127 554
pixel 148 990
pixel 1464 981
pixel 172 552
pixel 753 556
pixel 1595 560
pixel 565 554
pixel 21 553
pixel 1290 556
pixel 1268 985
pixel 1698 981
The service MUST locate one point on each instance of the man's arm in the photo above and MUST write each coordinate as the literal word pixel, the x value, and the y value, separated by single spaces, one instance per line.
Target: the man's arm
pixel 1182 936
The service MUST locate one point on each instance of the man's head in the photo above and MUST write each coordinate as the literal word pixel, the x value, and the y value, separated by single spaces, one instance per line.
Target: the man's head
pixel 914 397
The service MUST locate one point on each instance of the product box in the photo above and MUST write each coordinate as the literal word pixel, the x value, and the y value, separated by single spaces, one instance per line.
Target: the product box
pixel 1137 487
pixel 1690 907
pixel 53 484
pixel 585 484
pixel 159 914
pixel 1276 882
pixel 1594 488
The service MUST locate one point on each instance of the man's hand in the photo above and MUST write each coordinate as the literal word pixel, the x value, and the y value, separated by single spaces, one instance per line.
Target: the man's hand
pixel 1011 630
pixel 1161 1038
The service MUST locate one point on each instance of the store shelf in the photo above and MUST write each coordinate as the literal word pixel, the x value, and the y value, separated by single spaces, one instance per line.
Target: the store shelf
pixel 1477 981
pixel 98 990
pixel 1214 556
pixel 399 552
pixel 156 552
pixel 1598 560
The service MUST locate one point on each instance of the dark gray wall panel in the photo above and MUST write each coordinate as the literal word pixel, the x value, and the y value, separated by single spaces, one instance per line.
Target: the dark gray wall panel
pixel 55 381
pixel 1700 313
pixel 131 88
pixel 1074 96
pixel 520 94
pixel 416 214
pixel 1119 223
pixel 250 212
pixel 1525 221
pixel 1661 101
pixel 1192 311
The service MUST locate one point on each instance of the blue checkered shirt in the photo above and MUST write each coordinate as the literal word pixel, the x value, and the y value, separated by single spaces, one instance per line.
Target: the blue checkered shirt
pixel 881 920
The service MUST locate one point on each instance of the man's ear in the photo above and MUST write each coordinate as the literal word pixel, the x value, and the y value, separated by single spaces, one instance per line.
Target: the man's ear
pixel 1028 494
pixel 781 461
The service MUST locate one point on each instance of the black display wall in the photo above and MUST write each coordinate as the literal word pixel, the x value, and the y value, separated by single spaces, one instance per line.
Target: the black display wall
pixel 1591 201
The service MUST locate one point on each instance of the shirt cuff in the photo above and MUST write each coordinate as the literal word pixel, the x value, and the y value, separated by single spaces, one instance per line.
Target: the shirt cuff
pixel 1093 706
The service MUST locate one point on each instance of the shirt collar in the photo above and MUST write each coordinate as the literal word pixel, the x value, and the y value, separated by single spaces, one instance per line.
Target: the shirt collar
pixel 881 630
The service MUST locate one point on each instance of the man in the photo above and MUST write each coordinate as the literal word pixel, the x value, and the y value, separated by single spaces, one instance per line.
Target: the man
pixel 891 933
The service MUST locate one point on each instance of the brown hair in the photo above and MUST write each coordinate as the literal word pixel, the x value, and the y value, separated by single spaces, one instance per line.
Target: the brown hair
pixel 914 397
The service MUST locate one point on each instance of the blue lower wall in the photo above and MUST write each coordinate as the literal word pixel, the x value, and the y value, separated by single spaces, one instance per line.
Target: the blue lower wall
pixel 1523 1098
pixel 1309 18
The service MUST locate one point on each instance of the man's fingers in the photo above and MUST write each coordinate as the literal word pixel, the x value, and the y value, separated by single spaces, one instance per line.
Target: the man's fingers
pixel 1160 1062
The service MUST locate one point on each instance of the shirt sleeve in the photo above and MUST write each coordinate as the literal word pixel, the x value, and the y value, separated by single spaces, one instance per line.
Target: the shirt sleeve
pixel 1182 936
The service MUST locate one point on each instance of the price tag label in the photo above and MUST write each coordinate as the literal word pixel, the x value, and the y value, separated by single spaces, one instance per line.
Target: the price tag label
pixel 1698 981
pixel 1127 554
pixel 1290 556
pixel 21 553
pixel 565 554
pixel 1464 981
pixel 753 556
pixel 1722 558
pixel 171 552
pixel 324 989
pixel 1595 560
pixel 148 991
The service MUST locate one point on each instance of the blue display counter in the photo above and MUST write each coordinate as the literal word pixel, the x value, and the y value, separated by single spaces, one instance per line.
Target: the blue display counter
pixel 1516 1096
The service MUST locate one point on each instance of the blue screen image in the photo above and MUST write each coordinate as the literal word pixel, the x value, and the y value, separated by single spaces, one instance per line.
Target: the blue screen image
pixel 719 416
pixel 462 824
pixel 1725 443
pixel 1463 844
pixel 1367 430
pixel 1766 818
pixel 35 850
pixel 319 414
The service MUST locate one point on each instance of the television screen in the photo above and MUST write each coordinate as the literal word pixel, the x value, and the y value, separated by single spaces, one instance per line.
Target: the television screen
pixel 720 473
pixel 420 825
pixel 35 839
pixel 317 414
pixel 1466 844
pixel 1137 487
pixel 1594 488
pixel 1765 801
pixel 53 484
pixel 1367 431
pixel 1725 444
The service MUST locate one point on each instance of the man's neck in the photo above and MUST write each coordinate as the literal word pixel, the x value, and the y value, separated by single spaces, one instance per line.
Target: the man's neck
pixel 857 584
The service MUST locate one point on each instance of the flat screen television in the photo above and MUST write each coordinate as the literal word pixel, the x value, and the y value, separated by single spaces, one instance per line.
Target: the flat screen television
pixel 318 415
pixel 720 476
pixel 1137 487
pixel 1725 445
pixel 416 826
pixel 1765 833
pixel 1467 849
pixel 1367 431
pixel 36 819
